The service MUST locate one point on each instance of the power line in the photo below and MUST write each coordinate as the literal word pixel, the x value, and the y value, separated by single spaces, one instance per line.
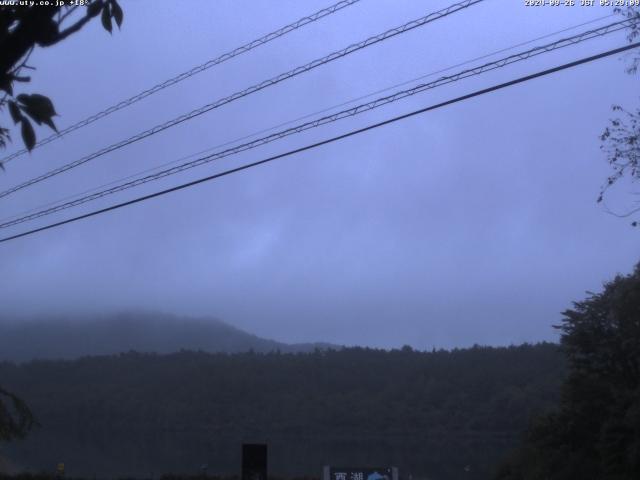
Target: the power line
pixel 331 140
pixel 190 73
pixel 331 118
pixel 309 115
pixel 518 57
pixel 255 88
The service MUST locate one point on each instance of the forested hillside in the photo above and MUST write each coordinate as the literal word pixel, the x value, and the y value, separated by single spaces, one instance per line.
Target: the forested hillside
pixel 594 433
pixel 429 413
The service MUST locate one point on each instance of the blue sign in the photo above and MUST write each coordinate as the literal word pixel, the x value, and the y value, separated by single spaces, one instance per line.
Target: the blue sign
pixel 351 473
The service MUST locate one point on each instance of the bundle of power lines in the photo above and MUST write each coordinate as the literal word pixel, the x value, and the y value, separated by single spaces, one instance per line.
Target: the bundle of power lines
pixel 298 125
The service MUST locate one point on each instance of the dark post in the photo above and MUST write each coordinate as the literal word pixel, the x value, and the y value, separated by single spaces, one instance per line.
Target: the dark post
pixel 60 471
pixel 254 461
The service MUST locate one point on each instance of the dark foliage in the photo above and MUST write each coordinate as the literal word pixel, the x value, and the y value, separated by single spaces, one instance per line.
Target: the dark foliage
pixel 595 434
pixel 427 412
pixel 16 420
pixel 50 476
pixel 621 139
pixel 23 28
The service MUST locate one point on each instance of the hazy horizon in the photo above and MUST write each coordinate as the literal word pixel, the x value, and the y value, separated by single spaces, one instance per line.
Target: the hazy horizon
pixel 118 320
pixel 475 223
pixel 72 320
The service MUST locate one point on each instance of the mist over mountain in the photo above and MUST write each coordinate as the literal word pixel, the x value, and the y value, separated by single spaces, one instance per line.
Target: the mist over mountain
pixel 69 337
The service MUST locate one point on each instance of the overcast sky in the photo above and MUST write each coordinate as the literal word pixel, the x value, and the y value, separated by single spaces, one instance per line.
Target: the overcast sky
pixel 475 223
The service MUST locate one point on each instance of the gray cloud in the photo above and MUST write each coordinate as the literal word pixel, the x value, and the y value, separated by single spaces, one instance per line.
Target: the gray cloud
pixel 474 223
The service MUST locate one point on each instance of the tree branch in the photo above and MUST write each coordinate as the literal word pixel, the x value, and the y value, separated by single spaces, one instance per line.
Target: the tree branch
pixel 66 14
pixel 72 29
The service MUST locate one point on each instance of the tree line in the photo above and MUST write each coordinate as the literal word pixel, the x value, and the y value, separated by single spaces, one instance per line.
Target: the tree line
pixel 428 412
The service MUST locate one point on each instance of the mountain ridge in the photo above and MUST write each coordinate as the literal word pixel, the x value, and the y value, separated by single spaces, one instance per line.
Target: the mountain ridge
pixel 70 337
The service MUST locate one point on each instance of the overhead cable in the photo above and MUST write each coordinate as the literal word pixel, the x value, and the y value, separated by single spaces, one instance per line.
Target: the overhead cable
pixel 297 119
pixel 248 91
pixel 189 73
pixel 487 67
pixel 329 140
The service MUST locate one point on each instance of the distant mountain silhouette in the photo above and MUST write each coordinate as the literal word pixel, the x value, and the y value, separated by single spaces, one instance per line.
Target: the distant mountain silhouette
pixel 70 338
